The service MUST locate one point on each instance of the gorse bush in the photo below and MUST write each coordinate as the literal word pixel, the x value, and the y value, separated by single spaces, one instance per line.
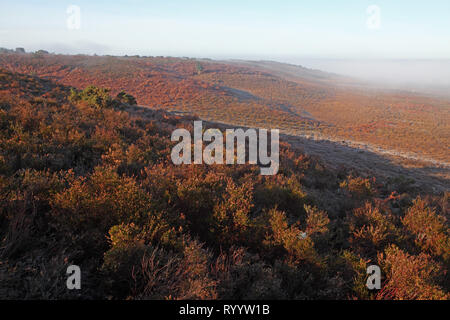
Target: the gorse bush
pixel 86 179
pixel 94 97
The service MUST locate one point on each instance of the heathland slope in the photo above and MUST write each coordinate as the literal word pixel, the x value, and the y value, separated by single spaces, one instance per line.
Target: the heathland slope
pixel 86 179
pixel 296 100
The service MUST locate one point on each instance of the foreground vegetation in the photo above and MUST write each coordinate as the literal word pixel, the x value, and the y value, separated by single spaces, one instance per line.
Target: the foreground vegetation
pixel 86 179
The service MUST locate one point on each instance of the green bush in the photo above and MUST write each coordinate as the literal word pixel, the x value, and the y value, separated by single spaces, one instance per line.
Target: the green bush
pixel 94 96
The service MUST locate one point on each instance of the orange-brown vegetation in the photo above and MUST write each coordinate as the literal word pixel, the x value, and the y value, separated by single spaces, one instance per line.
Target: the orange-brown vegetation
pixel 87 179
pixel 251 96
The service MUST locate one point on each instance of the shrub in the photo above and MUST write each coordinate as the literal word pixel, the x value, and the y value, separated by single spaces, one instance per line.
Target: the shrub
pixel 316 220
pixel 371 230
pixel 231 215
pixel 241 275
pixel 165 275
pixel 354 269
pixel 298 244
pixel 94 96
pixel 126 98
pixel 429 228
pixel 410 277
pixel 91 206
pixel 358 187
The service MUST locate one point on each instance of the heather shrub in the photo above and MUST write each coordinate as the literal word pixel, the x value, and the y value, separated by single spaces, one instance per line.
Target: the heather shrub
pixel 145 271
pixel 401 184
pixel 161 182
pixel 354 270
pixel 370 229
pixel 316 220
pixel 358 187
pixel 429 229
pixel 242 275
pixel 231 214
pixel 410 277
pixel 167 275
pixel 40 277
pixel 40 185
pixel 119 263
pixel 17 235
pixel 284 193
pixel 197 195
pixel 25 201
pixel 90 206
pixel 289 238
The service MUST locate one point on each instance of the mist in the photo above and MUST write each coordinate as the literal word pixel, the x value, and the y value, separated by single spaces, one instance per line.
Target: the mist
pixel 425 76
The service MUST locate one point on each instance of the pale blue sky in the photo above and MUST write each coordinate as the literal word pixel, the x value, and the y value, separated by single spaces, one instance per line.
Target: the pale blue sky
pixel 232 28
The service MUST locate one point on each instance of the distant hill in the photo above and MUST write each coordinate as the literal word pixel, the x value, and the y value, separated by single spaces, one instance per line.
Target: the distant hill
pixel 291 71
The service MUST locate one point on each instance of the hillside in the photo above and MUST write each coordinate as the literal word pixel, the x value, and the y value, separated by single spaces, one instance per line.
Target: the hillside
pixel 297 100
pixel 86 178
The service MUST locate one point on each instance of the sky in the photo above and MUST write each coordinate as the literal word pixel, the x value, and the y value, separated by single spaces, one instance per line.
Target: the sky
pixel 257 29
pixel 393 42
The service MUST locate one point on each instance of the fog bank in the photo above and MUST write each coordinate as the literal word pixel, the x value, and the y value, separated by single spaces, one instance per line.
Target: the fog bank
pixel 429 76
